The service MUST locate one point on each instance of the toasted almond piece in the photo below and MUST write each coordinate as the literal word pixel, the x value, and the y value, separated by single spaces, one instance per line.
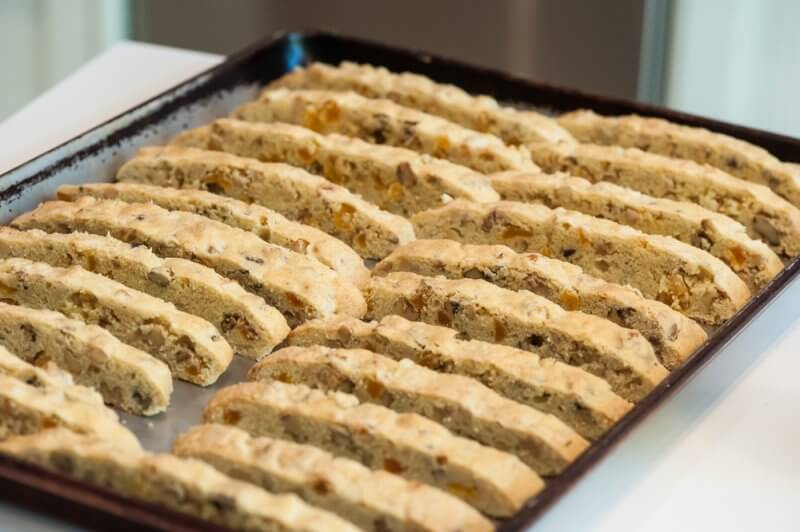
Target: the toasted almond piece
pixel 373 500
pixel 190 346
pixel 656 135
pixel 27 409
pixel 752 260
pixel 385 122
pixel 49 377
pixel 182 484
pixel 483 311
pixel 583 401
pixel 463 405
pixel 267 224
pixel 686 278
pixel 674 337
pixel 300 287
pixel 481 113
pixel 396 179
pixel 125 376
pixel 291 191
pixel 252 327
pixel 410 445
pixel 766 215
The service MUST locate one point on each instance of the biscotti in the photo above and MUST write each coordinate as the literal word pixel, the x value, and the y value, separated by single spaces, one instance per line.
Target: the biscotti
pixel 26 409
pixel 410 445
pixel 752 260
pixel 686 278
pixel 656 135
pixel 481 113
pixel 395 179
pixel 461 404
pixel 291 191
pixel 298 286
pixel 483 311
pixel 267 224
pixel 674 337
pixel 190 346
pixel 252 327
pixel 376 501
pixel 125 376
pixel 49 377
pixel 766 215
pixel 185 485
pixel 581 400
pixel 385 122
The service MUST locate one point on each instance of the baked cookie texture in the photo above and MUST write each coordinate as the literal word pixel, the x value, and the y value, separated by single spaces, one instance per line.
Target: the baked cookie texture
pixel 674 337
pixel 372 500
pixel 463 405
pixel 395 179
pixel 656 135
pixel 482 311
pixel 686 278
pixel 191 347
pixel 28 409
pixel 481 113
pixel 752 260
pixel 50 377
pixel 299 286
pixel 267 224
pixel 381 121
pixel 125 376
pixel 185 485
pixel 410 445
pixel 291 191
pixel 766 215
pixel 580 399
pixel 252 327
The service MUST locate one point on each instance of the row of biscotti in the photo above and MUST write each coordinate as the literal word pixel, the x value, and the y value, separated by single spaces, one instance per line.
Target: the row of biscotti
pixel 744 198
pixel 632 248
pixel 673 337
pixel 185 313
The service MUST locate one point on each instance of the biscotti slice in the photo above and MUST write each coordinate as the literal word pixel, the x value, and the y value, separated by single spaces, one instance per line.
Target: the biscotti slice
pixel 463 405
pixel 686 278
pixel 190 346
pixel 186 485
pixel 372 500
pixel 483 311
pixel 125 376
pixel 481 113
pixel 656 135
pixel 581 400
pixel 385 122
pixel 752 260
pixel 396 179
pixel 252 327
pixel 766 215
pixel 674 337
pixel 267 224
pixel 26 409
pixel 48 377
pixel 410 445
pixel 299 286
pixel 291 191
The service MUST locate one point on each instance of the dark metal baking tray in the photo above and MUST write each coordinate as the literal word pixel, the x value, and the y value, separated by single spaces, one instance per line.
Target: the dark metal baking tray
pixel 96 154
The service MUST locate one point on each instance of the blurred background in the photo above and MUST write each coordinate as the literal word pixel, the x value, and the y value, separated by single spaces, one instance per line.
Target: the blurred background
pixel 737 60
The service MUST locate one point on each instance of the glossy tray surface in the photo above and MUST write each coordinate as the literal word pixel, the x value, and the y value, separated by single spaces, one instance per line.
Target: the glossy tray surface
pixel 96 155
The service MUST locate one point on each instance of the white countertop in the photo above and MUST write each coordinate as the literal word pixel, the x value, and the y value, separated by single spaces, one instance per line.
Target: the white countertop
pixel 723 454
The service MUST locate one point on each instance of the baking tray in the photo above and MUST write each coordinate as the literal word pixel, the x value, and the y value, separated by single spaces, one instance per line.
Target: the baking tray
pixel 96 155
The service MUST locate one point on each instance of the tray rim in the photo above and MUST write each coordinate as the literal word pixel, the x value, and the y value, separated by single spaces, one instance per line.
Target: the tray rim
pixel 29 485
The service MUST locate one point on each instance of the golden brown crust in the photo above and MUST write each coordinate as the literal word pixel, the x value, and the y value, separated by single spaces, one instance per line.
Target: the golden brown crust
pixel 398 180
